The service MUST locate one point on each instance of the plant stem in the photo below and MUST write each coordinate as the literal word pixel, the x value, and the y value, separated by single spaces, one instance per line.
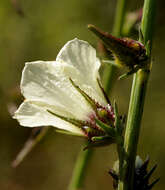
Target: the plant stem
pixel 80 166
pixel 133 128
pixel 136 105
pixel 33 140
pixel 119 17
pixel 148 18
pixel 109 72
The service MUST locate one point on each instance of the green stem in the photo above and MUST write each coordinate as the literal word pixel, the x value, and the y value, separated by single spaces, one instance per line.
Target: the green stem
pixel 148 18
pixel 119 17
pixel 80 166
pixel 136 105
pixel 133 128
pixel 109 72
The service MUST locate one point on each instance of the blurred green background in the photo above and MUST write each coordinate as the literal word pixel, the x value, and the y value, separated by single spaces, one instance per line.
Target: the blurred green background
pixel 36 30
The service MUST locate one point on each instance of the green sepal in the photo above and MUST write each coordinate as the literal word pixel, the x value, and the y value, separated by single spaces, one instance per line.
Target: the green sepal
pixel 118 124
pixel 75 122
pixel 110 62
pixel 103 91
pixel 99 142
pixel 67 132
pixel 106 128
pixel 117 120
pixel 90 131
pixel 99 138
pixel 86 96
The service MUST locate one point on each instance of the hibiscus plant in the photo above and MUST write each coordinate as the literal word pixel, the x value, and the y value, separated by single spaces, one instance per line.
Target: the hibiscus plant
pixel 68 94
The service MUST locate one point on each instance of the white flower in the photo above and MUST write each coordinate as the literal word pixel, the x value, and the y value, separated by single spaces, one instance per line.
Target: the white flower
pixel 46 85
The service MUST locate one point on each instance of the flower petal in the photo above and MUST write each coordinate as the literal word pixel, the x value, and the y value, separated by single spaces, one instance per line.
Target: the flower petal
pixel 31 114
pixel 48 82
pixel 82 57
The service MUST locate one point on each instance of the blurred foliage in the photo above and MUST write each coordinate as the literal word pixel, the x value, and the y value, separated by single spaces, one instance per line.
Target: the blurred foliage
pixel 32 30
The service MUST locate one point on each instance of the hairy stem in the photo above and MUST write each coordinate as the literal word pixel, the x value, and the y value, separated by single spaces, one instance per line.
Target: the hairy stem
pixel 136 105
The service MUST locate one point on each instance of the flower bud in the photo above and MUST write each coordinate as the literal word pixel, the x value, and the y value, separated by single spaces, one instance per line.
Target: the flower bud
pixel 127 52
pixel 141 176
